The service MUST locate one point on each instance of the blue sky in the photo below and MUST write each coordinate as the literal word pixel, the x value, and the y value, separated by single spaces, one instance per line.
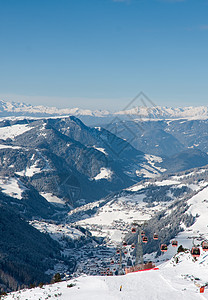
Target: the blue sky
pixel 101 53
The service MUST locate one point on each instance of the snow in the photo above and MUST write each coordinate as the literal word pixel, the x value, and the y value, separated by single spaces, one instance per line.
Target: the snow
pixel 166 182
pixel 147 172
pixel 105 173
pixel 52 198
pixel 174 180
pixel 153 159
pixel 198 232
pixel 30 171
pixel 101 150
pixel 114 219
pixel 171 281
pixel 148 169
pixel 12 187
pixel 57 232
pixel 135 188
pixel 8 146
pixel 199 207
pixel 158 112
pixel 12 107
pixel 12 131
pixel 141 112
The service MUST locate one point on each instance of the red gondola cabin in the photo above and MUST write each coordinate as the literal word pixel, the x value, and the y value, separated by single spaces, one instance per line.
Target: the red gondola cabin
pixel 174 243
pixel 205 246
pixel 195 252
pixel 164 248
pixel 145 239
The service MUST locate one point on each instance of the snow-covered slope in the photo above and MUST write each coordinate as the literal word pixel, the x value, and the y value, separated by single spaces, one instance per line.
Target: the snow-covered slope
pixel 11 132
pixel 181 280
pixel 142 201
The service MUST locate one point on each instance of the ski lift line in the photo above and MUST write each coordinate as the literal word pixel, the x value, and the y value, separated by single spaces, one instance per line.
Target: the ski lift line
pixel 137 227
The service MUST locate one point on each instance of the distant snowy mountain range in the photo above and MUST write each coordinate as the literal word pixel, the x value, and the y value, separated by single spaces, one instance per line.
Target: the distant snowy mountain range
pixel 152 112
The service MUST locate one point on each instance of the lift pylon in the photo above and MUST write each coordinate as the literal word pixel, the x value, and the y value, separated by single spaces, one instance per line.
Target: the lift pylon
pixel 139 224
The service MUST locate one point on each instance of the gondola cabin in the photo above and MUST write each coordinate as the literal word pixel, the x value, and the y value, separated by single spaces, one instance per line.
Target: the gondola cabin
pixel 132 246
pixel 133 230
pixel 195 252
pixel 145 239
pixel 124 244
pixel 112 262
pixel 142 233
pixel 155 236
pixel 164 248
pixel 174 243
pixel 205 246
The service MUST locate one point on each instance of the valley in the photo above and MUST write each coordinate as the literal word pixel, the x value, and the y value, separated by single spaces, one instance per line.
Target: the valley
pixel 83 187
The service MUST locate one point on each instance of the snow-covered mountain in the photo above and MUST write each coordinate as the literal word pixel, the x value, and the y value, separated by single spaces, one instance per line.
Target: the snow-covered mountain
pixel 22 109
pixel 163 112
pixel 83 186
pixel 112 217
pixel 162 137
pixel 152 112
pixel 65 161
pixel 62 157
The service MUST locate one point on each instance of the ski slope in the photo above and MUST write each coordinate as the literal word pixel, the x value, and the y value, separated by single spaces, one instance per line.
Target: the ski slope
pixel 10 132
pixel 172 281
